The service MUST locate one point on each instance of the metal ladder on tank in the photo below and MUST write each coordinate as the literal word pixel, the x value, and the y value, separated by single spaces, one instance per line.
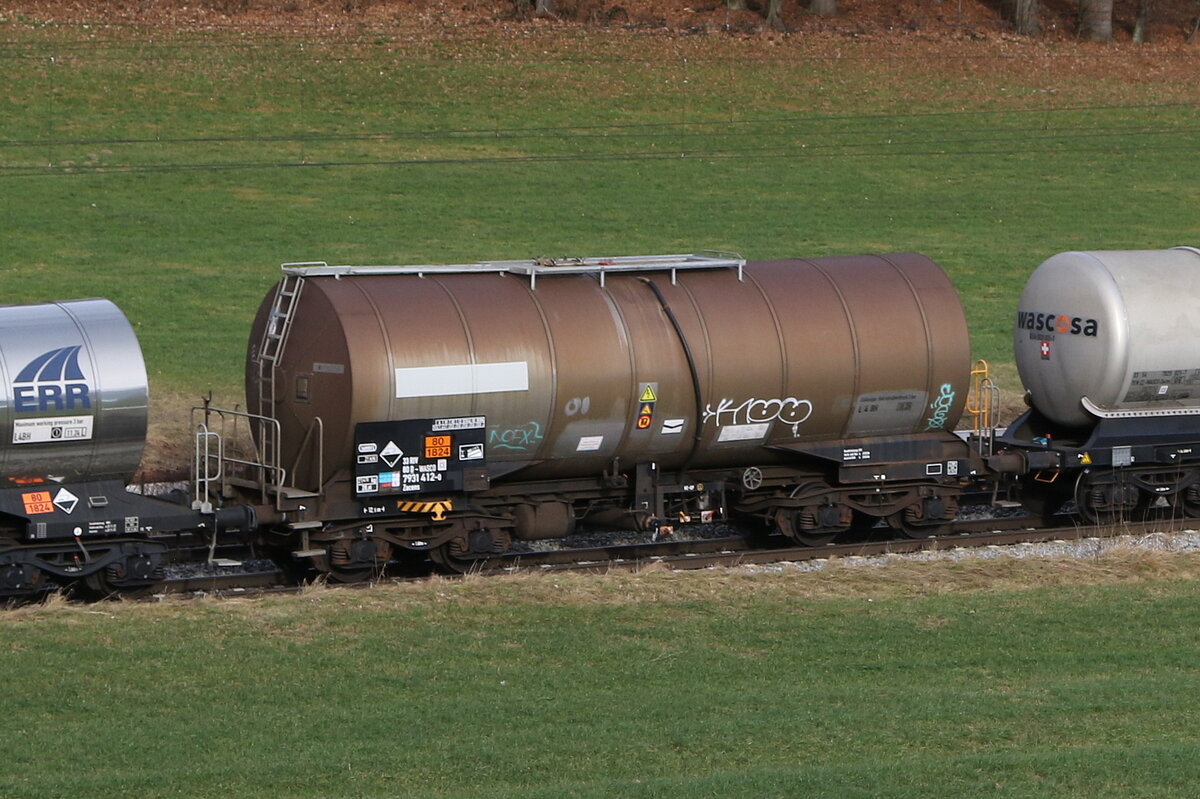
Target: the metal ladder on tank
pixel 270 350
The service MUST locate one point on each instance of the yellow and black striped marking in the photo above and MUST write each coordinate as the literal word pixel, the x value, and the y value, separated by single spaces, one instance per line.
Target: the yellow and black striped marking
pixel 437 508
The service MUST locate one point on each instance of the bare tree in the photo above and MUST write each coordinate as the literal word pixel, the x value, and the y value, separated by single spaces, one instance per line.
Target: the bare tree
pixel 1095 20
pixel 826 8
pixel 1142 20
pixel 735 5
pixel 774 14
pixel 1025 17
pixel 545 8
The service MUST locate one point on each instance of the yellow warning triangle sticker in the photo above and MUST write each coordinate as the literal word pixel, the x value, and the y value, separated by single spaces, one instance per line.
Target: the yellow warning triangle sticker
pixel 646 410
pixel 1085 459
pixel 648 394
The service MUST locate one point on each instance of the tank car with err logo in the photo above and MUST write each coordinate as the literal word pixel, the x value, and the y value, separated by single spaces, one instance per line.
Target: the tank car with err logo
pixel 73 409
pixel 442 411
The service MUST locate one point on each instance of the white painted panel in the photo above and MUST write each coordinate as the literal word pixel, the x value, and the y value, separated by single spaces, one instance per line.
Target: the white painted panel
pixel 744 432
pixel 466 378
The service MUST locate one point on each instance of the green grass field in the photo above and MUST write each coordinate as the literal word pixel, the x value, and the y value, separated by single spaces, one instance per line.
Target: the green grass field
pixel 936 680
pixel 173 173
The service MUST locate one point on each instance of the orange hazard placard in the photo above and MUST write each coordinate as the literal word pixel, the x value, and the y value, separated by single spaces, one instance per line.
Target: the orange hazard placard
pixel 437 446
pixel 38 502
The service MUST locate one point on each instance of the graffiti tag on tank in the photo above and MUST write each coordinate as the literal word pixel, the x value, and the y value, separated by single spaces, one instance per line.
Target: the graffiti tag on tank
pixel 578 406
pixel 758 414
pixel 523 438
pixel 941 407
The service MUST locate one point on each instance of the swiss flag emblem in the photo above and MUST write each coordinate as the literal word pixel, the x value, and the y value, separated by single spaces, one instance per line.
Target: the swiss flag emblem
pixel 1045 350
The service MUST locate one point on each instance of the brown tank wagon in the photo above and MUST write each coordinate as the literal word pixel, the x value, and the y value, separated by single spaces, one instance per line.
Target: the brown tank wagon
pixel 705 366
pixel 461 405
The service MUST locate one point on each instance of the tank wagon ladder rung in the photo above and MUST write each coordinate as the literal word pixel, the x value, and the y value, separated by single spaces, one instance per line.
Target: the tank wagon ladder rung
pixel 983 404
pixel 283 307
pixel 275 334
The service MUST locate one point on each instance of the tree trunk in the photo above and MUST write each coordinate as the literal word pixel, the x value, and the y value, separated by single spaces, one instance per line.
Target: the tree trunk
pixel 545 8
pixel 774 14
pixel 1025 18
pixel 1143 19
pixel 826 8
pixel 735 5
pixel 1095 20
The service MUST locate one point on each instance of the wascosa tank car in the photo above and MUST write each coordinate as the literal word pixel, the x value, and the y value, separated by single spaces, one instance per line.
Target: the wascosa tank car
pixel 1108 348
pixel 445 410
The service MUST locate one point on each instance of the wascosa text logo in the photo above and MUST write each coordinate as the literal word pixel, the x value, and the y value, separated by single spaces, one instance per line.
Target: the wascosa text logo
pixel 52 381
pixel 1057 323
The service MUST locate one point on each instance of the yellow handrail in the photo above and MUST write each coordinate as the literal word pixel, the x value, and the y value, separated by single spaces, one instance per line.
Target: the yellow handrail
pixel 982 402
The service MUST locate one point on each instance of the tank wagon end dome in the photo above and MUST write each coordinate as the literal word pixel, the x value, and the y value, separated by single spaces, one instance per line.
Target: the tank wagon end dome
pixel 73 392
pixel 1111 332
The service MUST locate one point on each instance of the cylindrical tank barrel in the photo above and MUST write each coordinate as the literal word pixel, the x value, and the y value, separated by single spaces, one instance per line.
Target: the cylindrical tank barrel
pixel 1107 333
pixel 73 401
pixel 700 368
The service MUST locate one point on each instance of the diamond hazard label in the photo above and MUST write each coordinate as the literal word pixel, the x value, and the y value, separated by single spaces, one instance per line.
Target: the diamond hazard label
pixel 391 453
pixel 65 501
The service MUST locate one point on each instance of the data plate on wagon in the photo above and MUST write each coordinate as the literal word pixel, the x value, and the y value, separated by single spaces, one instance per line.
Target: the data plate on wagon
pixel 416 456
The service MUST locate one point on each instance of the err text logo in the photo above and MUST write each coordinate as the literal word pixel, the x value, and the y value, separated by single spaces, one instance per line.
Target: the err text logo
pixel 52 381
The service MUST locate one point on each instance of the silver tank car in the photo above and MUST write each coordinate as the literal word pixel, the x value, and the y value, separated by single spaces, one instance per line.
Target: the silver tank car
pixel 1107 334
pixel 576 364
pixel 73 402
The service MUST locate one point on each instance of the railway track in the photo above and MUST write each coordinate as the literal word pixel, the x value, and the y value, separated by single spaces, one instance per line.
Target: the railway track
pixel 234 580
pixel 737 550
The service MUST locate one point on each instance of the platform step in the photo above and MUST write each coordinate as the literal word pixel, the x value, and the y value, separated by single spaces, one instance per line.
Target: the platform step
pixel 291 492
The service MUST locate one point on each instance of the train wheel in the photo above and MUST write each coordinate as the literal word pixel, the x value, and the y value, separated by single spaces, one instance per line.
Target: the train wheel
pixel 132 576
pixel 928 518
pixel 466 551
pixel 357 560
pixel 816 524
pixel 786 519
pixel 1107 502
pixel 447 562
pixel 352 576
pixel 1187 501
pixel 909 529
pixel 21 582
pixel 101 586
